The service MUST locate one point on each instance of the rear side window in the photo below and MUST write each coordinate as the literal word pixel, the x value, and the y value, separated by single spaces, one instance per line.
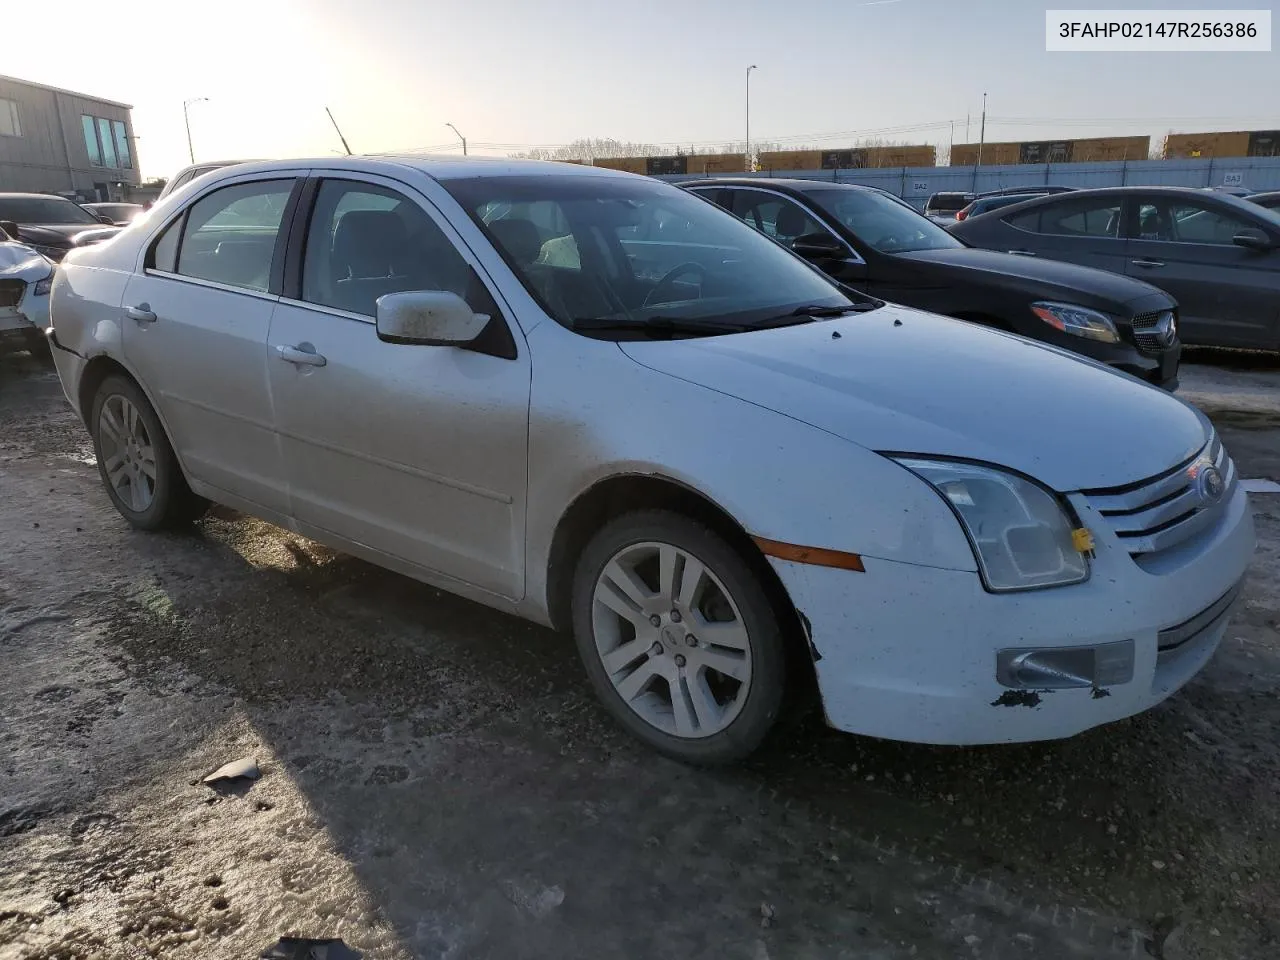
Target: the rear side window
pixel 1099 217
pixel 230 235
pixel 164 253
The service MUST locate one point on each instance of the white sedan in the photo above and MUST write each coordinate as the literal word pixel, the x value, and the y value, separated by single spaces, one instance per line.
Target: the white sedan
pixel 596 401
pixel 25 280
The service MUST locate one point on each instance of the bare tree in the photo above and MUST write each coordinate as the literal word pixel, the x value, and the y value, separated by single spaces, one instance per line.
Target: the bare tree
pixel 593 148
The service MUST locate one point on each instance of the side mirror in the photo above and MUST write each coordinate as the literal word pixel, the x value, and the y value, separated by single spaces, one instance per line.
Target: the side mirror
pixel 1253 239
pixel 103 218
pixel 434 318
pixel 819 246
pixel 9 227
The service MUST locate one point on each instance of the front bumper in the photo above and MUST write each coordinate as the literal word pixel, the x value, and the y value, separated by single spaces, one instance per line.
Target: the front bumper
pixel 913 653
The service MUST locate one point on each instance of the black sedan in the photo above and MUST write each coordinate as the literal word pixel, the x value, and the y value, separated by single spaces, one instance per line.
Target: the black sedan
pixel 1217 254
pixel 874 243
pixel 53 225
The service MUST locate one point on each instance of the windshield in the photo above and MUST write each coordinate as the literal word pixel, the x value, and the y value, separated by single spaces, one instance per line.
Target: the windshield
pixel 116 211
pixel 882 223
pixel 948 202
pixel 638 251
pixel 43 210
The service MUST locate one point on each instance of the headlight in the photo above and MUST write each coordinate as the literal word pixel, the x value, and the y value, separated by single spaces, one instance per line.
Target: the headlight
pixel 1077 321
pixel 43 286
pixel 1021 536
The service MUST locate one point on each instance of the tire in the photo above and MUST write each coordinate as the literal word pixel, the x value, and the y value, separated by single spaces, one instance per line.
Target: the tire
pixel 134 448
pixel 639 656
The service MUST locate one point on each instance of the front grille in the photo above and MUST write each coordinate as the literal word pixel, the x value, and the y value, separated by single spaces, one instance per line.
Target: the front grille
pixel 11 292
pixel 1144 331
pixel 1161 512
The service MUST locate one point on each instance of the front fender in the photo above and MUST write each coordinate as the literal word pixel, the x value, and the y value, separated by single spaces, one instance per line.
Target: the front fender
pixel 779 478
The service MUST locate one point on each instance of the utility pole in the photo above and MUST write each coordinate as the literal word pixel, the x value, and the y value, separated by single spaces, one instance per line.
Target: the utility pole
pixel 749 164
pixel 339 129
pixel 186 117
pixel 460 137
pixel 982 142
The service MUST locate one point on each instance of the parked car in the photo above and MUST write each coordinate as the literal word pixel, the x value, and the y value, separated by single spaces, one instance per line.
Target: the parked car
pixel 693 449
pixel 942 207
pixel 187 174
pixel 25 278
pixel 1217 255
pixel 984 204
pixel 116 214
pixel 52 225
pixel 1269 200
pixel 890 252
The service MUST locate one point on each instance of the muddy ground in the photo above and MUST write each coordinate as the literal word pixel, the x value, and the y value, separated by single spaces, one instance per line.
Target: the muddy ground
pixel 438 781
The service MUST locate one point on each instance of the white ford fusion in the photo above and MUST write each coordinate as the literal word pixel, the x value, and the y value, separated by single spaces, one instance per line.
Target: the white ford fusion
pixel 602 403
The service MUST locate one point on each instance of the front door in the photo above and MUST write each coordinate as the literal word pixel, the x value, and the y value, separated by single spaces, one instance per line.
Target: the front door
pixel 1227 295
pixel 419 452
pixel 195 323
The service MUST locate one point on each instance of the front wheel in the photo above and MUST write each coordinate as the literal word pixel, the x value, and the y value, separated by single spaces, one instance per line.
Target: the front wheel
pixel 679 638
pixel 135 460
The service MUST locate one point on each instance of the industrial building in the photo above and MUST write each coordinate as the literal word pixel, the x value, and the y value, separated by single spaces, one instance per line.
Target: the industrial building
pixel 58 141
pixel 1052 151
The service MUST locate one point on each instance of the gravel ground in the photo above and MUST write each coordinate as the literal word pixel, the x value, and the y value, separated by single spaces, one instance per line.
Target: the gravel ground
pixel 438 781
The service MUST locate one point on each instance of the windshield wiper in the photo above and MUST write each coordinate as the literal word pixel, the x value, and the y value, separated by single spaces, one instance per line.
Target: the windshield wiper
pixel 658 325
pixel 822 313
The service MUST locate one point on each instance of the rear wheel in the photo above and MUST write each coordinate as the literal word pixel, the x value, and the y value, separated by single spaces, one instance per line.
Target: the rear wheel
pixel 135 460
pixel 678 637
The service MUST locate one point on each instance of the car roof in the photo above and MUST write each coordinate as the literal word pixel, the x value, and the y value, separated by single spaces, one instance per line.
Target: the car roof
pixel 33 196
pixel 438 167
pixel 792 184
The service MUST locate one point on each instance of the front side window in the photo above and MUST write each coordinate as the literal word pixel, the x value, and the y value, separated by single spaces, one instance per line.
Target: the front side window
pixel 366 241
pixel 108 148
pixel 230 234
pixel 631 250
pixel 1179 221
pixel 1098 217
pixel 780 218
pixel 91 140
pixel 881 222
pixel 10 124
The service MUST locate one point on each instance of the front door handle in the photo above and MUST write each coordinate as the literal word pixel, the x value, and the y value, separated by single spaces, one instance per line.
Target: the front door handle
pixel 1147 263
pixel 142 313
pixel 1023 253
pixel 301 356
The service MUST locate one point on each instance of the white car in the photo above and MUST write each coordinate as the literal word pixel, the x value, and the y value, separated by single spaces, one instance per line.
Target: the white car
pixel 677 440
pixel 25 279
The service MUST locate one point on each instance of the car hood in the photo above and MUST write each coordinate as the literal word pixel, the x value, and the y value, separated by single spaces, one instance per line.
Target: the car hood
pixel 20 262
pixel 1055 277
pixel 65 234
pixel 901 380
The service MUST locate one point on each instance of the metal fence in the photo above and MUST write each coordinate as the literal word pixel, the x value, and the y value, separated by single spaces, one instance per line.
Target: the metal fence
pixel 915 184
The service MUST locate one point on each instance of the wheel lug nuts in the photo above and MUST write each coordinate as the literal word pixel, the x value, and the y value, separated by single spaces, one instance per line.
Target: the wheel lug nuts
pixel 655 650
pixel 679 660
pixel 675 616
pixel 691 640
pixel 656 620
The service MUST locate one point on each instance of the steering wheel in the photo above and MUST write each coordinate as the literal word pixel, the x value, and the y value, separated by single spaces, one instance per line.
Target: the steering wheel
pixel 679 270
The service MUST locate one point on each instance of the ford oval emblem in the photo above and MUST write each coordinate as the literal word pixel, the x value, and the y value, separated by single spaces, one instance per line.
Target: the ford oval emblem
pixel 1212 486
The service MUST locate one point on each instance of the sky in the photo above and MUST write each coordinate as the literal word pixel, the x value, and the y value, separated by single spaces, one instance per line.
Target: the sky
pixel 511 74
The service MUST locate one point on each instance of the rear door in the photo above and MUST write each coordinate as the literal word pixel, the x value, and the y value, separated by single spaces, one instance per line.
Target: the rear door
pixel 419 452
pixel 196 318
pixel 1083 230
pixel 1227 295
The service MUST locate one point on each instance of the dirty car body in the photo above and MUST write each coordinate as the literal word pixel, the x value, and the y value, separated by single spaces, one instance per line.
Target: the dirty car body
pixel 600 402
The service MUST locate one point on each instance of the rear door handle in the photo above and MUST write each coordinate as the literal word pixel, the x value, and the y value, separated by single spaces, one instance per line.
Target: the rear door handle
pixel 1147 263
pixel 301 356
pixel 1023 253
pixel 142 313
